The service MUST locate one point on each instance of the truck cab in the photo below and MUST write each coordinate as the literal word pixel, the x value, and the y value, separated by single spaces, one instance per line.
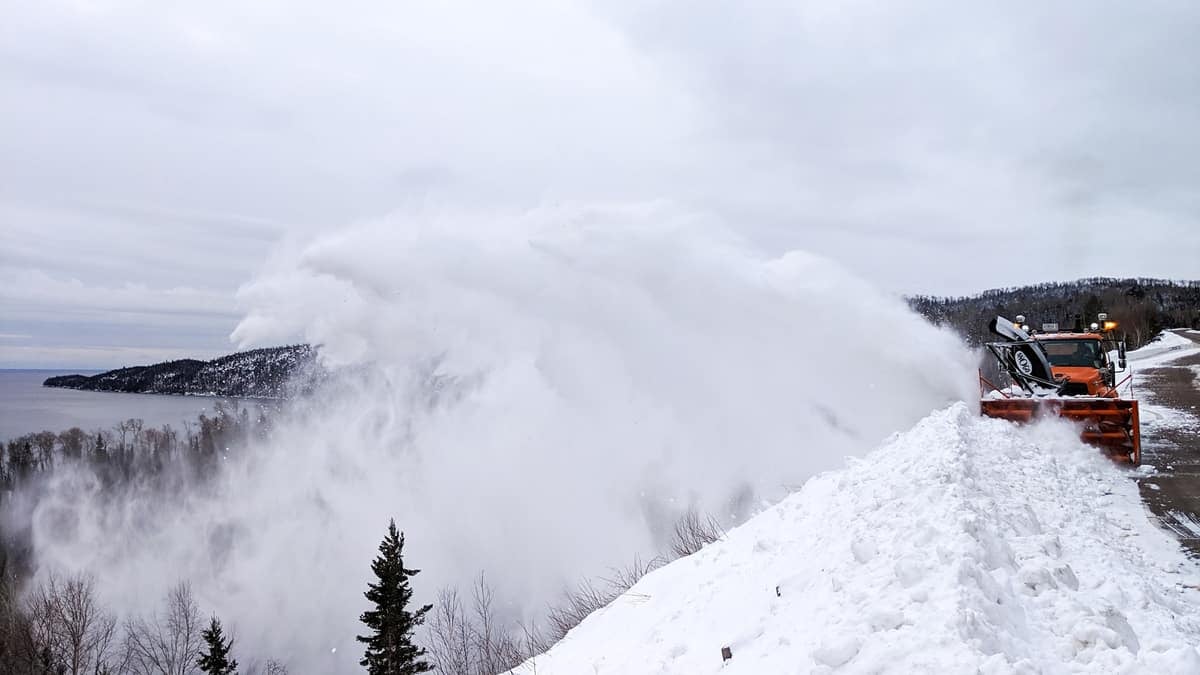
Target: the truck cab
pixel 1082 360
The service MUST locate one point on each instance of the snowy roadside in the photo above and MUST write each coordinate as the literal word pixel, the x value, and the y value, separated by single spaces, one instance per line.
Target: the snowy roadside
pixel 1169 396
pixel 1156 413
pixel 1167 347
pixel 963 545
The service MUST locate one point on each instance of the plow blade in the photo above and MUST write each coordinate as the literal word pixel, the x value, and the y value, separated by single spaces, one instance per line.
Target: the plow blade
pixel 1109 423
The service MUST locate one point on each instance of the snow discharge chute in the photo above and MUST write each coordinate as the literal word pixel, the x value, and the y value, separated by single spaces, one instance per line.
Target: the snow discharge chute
pixel 1023 358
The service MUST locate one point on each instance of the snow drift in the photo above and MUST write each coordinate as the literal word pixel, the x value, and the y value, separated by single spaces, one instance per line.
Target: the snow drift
pixel 964 545
pixel 535 395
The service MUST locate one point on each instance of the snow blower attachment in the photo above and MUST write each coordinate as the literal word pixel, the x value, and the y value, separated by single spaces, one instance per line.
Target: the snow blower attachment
pixel 1068 374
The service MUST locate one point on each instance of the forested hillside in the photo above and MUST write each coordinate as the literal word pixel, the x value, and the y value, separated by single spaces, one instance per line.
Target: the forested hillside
pixel 258 373
pixel 60 625
pixel 127 456
pixel 127 469
pixel 1142 307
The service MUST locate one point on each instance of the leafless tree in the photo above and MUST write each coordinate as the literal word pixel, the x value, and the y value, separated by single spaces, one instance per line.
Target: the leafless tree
pixel 449 635
pixel 497 649
pixel 123 428
pixel 577 603
pixel 625 577
pixel 271 667
pixel 693 532
pixel 135 429
pixel 44 442
pixel 534 640
pixel 19 654
pixel 474 641
pixel 586 597
pixel 68 622
pixel 73 441
pixel 167 644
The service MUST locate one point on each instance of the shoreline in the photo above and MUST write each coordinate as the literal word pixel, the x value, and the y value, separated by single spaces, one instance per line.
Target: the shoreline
pixel 240 397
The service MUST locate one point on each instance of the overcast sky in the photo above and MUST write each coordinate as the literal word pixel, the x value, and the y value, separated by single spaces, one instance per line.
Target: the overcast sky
pixel 153 154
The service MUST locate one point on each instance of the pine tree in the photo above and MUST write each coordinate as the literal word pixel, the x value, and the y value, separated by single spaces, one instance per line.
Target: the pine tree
pixel 390 649
pixel 215 659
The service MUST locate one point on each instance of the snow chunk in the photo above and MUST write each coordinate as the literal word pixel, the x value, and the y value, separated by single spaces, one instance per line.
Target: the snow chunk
pixel 837 651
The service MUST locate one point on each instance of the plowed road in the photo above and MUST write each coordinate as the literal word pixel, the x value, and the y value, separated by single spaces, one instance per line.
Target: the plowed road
pixel 1171 443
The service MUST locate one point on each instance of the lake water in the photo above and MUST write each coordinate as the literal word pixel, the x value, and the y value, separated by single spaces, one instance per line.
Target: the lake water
pixel 26 406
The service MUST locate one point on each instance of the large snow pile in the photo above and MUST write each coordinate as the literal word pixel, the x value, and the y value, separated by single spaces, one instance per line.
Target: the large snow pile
pixel 963 545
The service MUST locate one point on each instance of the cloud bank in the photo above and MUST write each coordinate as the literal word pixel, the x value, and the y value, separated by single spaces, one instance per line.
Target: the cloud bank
pixel 168 146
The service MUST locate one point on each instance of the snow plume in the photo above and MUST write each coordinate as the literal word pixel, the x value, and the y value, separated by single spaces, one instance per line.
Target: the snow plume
pixel 537 395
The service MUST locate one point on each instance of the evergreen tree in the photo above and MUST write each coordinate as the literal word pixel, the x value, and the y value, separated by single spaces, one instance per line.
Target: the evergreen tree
pixel 390 649
pixel 101 451
pixel 215 659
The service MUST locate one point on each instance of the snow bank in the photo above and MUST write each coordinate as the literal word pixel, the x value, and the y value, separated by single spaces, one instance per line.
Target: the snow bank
pixel 964 545
pixel 1166 347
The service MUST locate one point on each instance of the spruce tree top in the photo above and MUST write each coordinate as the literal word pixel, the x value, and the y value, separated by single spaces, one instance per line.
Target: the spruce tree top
pixel 390 649
pixel 215 659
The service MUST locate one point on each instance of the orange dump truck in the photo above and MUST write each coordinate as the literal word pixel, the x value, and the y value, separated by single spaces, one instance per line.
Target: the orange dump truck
pixel 1068 374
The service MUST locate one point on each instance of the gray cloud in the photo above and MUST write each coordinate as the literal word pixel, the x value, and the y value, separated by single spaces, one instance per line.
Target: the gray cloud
pixel 935 146
pixel 956 132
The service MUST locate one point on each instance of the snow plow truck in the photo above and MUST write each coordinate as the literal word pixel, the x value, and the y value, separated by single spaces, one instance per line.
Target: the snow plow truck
pixel 1068 374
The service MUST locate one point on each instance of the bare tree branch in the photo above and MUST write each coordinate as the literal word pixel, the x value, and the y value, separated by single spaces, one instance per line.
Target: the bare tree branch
pixel 69 623
pixel 693 532
pixel 166 645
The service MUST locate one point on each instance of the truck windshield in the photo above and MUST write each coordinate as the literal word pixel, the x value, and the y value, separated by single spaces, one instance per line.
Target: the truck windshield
pixel 1072 352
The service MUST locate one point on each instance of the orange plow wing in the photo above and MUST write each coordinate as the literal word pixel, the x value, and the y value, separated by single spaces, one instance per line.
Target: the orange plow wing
pixel 1110 423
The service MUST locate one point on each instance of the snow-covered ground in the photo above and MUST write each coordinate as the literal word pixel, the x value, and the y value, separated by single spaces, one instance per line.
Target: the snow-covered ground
pixel 963 545
pixel 1166 348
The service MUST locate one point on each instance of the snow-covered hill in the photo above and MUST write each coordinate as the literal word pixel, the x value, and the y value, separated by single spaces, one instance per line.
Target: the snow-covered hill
pixel 963 545
pixel 271 372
